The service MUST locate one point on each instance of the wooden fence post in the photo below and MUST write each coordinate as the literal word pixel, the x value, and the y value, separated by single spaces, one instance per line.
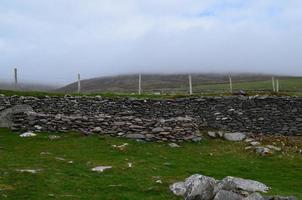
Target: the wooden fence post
pixel 16 78
pixel 190 84
pixel 139 84
pixel 231 84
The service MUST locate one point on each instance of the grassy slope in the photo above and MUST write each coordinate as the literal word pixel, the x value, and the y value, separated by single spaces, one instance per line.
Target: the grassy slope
pixel 179 83
pixel 289 84
pixel 60 180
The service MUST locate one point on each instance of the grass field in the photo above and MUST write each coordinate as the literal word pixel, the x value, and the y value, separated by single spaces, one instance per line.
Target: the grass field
pixel 143 95
pixel 179 83
pixel 286 85
pixel 59 179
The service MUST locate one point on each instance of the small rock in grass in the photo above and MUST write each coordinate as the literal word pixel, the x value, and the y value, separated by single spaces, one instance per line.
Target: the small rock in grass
pixel 28 134
pixel 100 168
pixel 212 134
pixel 121 147
pixel 54 137
pixel 255 143
pixel 220 134
pixel 119 185
pixel 159 181
pixel 97 130
pixel 178 188
pixel 130 165
pixel 273 147
pixel 263 151
pixel 196 139
pixel 248 140
pixel 174 145
pixel 45 153
pixel 234 136
pixel 59 158
pixel 31 171
pixel 120 133
pixel 38 127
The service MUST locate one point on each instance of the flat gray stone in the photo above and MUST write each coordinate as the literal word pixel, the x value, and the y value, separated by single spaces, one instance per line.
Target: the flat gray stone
pixel 234 183
pixel 212 134
pixel 227 195
pixel 157 130
pixel 97 129
pixel 254 196
pixel 234 136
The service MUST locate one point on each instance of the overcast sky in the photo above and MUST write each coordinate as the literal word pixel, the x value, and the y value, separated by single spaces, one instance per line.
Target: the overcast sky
pixel 53 40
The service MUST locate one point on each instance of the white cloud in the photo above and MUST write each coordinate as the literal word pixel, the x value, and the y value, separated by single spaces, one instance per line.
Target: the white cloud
pixel 101 37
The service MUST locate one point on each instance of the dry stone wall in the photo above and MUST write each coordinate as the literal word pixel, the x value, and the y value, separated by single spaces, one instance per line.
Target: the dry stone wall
pixel 173 120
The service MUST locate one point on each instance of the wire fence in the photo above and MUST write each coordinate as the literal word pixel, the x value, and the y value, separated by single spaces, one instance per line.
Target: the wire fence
pixel 156 84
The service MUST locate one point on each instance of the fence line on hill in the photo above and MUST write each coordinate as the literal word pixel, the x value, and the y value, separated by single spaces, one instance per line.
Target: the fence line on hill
pixel 191 88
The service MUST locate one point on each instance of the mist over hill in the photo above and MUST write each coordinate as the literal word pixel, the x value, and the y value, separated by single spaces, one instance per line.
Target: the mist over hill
pixel 157 82
pixel 28 87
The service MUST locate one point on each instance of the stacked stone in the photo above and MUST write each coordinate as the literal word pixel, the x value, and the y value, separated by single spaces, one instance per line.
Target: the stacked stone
pixel 200 187
pixel 257 114
pixel 174 129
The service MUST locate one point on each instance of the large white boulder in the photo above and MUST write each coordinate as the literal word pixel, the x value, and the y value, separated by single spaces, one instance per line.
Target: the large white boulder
pixel 199 187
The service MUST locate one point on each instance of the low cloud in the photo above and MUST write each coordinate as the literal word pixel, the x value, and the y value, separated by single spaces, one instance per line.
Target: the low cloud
pixel 51 41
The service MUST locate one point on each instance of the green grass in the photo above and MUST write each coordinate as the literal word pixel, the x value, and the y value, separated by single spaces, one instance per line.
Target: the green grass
pixel 292 85
pixel 286 85
pixel 151 161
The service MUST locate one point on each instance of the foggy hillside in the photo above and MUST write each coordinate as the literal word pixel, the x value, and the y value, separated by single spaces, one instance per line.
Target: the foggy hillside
pixel 27 87
pixel 156 83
